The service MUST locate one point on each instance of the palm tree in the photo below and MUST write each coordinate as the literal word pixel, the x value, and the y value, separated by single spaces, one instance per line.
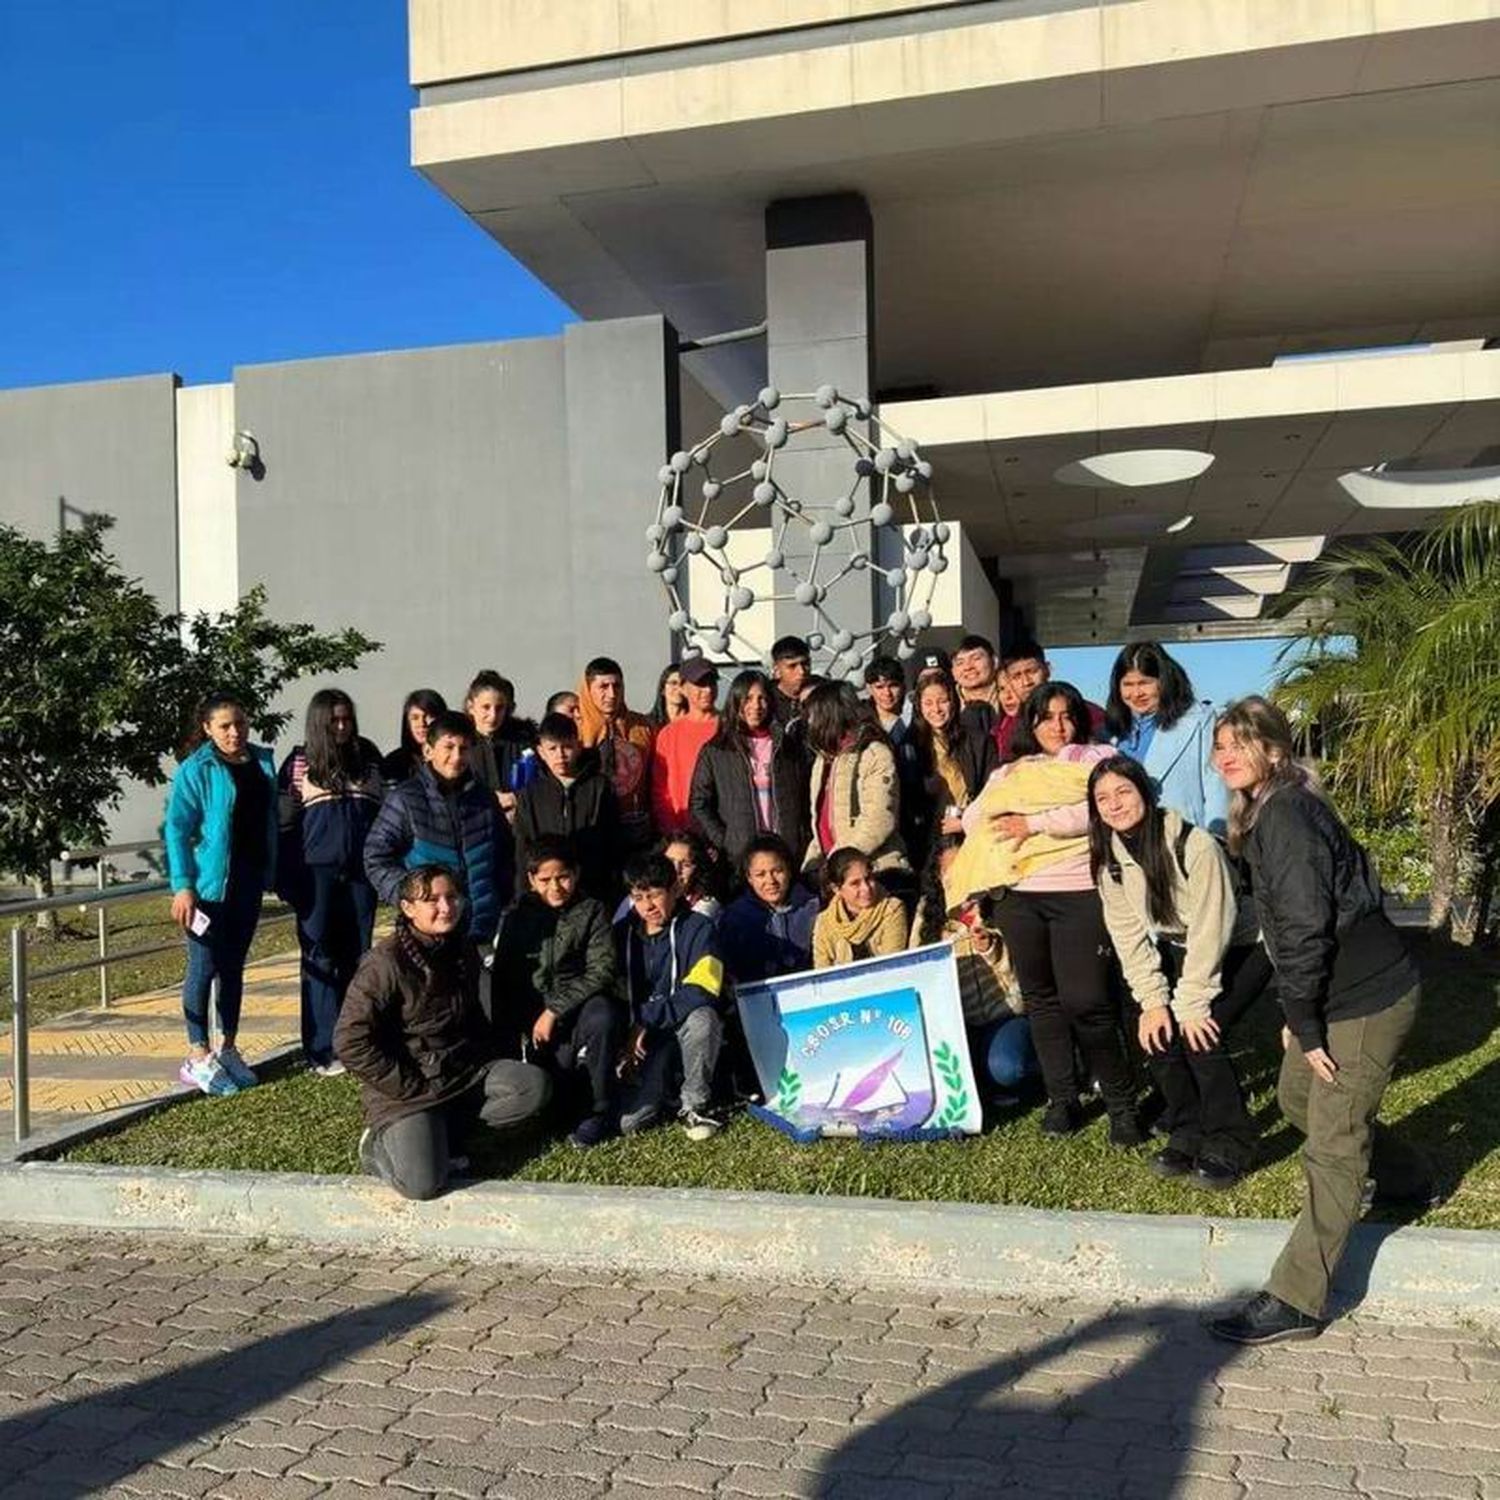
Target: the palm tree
pixel 1399 672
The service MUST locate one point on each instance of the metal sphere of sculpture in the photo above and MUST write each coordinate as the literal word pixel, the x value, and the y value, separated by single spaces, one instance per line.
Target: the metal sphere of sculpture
pixel 696 517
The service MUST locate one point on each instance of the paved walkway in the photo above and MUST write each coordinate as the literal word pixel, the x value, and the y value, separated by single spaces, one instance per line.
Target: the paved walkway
pixel 90 1061
pixel 133 1368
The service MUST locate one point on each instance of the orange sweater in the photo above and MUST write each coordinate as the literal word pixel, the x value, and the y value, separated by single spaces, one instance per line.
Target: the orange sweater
pixel 673 758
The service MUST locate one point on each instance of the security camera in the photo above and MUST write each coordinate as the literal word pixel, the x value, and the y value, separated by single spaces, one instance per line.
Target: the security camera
pixel 245 453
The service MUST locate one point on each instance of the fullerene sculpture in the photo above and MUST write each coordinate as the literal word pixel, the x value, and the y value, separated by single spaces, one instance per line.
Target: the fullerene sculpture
pixel 697 512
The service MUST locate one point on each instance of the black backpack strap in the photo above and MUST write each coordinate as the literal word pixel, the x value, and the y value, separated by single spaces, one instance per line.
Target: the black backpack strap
pixel 1179 846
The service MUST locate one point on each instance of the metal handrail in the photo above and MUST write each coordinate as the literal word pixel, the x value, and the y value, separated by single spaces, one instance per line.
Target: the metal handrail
pixel 83 856
pixel 21 974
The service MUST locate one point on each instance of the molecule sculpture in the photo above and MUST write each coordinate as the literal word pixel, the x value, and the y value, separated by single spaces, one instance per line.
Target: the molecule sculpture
pixel 813 545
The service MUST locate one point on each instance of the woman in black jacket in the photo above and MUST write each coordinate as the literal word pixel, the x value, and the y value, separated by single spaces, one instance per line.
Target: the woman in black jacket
pixel 750 778
pixel 1349 995
pixel 954 758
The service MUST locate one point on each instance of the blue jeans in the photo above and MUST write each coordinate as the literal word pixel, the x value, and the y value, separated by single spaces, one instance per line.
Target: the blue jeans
pixel 220 954
pixel 1003 1052
pixel 333 931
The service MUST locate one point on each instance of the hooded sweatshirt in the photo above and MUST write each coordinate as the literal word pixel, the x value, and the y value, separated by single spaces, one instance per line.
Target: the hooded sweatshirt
pixel 841 936
pixel 624 749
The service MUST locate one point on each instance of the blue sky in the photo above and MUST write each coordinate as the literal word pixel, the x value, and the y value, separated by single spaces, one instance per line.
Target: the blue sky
pixel 190 186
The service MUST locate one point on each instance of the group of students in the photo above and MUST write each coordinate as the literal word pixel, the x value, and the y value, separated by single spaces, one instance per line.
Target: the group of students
pixel 576 900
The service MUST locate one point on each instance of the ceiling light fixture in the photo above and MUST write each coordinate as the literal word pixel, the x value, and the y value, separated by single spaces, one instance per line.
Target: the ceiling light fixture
pixel 1379 488
pixel 1132 468
pixel 1181 524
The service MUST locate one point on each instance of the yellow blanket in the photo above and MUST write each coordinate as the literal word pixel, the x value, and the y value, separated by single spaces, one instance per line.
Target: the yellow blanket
pixel 986 860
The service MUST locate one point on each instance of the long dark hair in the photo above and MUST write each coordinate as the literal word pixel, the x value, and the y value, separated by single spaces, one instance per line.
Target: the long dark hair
pixel 1148 844
pixel 658 714
pixel 707 872
pixel 932 900
pixel 329 763
pixel 922 733
pixel 731 733
pixel 833 712
pixel 1150 659
pixel 1034 709
pixel 430 701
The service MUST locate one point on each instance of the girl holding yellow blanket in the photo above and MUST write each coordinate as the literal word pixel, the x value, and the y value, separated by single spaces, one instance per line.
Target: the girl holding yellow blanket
pixel 1028 846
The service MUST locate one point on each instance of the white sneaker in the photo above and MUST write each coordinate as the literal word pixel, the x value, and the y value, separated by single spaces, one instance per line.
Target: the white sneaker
pixel 236 1066
pixel 205 1075
pixel 335 1069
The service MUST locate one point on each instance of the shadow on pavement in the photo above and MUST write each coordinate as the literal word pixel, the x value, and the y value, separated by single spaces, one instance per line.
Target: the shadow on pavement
pixel 85 1445
pixel 1113 1400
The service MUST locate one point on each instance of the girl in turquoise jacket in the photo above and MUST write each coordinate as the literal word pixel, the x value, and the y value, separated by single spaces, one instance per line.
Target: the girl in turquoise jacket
pixel 220 834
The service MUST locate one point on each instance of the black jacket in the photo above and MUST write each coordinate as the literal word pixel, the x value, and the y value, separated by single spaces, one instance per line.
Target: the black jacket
pixel 722 801
pixel 586 812
pixel 1322 920
pixel 495 756
pixel 552 959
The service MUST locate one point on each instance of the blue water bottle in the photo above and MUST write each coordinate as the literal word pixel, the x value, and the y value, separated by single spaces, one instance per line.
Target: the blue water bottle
pixel 523 771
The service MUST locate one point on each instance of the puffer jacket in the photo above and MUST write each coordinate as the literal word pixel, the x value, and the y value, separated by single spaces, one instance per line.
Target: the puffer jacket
pixel 551 959
pixel 723 800
pixel 420 824
pixel 865 805
pixel 1322 919
pixel 415 1036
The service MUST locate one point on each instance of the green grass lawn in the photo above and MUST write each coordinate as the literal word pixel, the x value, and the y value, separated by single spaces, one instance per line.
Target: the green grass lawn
pixel 1447 1098
pixel 132 924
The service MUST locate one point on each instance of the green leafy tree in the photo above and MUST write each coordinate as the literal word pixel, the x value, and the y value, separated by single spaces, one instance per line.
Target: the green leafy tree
pixel 97 685
pixel 1400 676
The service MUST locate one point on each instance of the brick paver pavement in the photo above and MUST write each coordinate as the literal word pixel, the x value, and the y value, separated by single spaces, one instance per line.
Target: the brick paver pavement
pixel 133 1368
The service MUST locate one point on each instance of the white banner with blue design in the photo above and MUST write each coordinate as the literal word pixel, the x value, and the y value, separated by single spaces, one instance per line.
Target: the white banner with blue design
pixel 875 1048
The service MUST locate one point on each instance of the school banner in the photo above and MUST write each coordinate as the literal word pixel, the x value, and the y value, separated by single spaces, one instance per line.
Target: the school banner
pixel 875 1048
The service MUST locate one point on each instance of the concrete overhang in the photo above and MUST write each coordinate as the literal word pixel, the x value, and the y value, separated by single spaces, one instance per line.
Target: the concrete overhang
pixel 1061 192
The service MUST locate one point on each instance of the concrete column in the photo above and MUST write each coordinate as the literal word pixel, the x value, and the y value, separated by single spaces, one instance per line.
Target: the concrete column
pixel 820 331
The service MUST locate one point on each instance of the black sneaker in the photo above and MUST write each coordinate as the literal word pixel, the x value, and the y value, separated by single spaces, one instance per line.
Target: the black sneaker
pixel 1266 1319
pixel 1215 1176
pixel 1125 1129
pixel 592 1130
pixel 1169 1162
pixel 1061 1119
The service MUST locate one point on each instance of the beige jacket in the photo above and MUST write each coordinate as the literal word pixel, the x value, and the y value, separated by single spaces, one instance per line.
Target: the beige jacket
pixel 1209 922
pixel 866 806
pixel 841 936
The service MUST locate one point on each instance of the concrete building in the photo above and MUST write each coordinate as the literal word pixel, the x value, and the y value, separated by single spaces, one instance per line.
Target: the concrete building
pixel 1172 293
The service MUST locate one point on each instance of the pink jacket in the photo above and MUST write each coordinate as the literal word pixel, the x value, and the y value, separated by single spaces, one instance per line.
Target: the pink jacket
pixel 1071 821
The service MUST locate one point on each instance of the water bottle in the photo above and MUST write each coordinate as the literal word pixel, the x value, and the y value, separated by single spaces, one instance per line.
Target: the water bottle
pixel 523 771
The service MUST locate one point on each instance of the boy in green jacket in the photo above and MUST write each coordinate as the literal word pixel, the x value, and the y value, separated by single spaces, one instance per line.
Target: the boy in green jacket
pixel 555 997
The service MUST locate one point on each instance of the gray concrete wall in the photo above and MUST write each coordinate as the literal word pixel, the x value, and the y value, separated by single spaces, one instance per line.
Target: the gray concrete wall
pixel 474 506
pixel 106 445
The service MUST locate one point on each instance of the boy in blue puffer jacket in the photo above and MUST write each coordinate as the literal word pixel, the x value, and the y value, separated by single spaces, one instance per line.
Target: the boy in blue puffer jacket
pixel 443 816
pixel 674 981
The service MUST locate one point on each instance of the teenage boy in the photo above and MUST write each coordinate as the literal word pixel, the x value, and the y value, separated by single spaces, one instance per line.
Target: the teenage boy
pixel 556 983
pixel 791 663
pixel 885 681
pixel 443 816
pixel 571 798
pixel 622 740
pixel 674 757
pixel 974 672
pixel 674 982
pixel 1026 668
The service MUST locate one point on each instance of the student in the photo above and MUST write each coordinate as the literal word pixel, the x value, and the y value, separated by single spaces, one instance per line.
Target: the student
pixel 1190 958
pixel 330 789
pixel 791 664
pixel 674 982
pixel 1026 668
pixel 422 706
pixel 975 670
pixel 885 682
pixel 698 884
pixel 444 817
pixel 766 931
pixel 1154 717
pixel 220 835
pixel 413 1032
pixel 1028 845
pixel 669 703
pixel 751 778
pixel 504 745
pixel 555 984
pixel 954 756
pixel 565 702
pixel 854 798
pixel 571 799
pixel 999 1034
pixel 622 741
pixel 1349 993
pixel 674 755
pixel 860 920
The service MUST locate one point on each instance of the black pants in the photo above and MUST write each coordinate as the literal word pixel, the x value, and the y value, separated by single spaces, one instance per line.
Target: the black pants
pixel 1060 948
pixel 585 1047
pixel 1205 1114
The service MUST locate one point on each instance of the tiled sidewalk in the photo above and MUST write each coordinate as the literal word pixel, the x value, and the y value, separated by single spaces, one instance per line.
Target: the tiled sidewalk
pixel 90 1061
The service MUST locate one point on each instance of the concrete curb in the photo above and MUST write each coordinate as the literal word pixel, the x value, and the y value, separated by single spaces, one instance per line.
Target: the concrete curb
pixel 698 1233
